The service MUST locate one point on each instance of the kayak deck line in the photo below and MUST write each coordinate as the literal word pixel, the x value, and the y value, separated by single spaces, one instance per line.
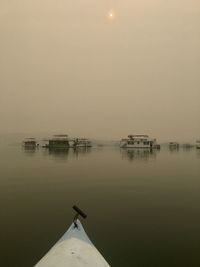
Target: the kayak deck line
pixel 73 249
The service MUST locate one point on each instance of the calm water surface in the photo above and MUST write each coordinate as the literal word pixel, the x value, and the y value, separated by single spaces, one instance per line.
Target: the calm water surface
pixel 143 208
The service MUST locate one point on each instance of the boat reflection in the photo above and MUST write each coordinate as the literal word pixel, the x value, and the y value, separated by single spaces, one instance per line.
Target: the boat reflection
pixel 65 153
pixel 138 154
pixel 60 153
pixel 198 153
pixel 81 151
pixel 173 149
pixel 187 147
pixel 29 150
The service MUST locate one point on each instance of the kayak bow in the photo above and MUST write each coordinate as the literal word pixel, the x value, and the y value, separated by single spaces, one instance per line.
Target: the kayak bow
pixel 74 249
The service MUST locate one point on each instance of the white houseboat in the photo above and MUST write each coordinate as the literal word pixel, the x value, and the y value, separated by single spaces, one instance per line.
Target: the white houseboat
pixel 139 141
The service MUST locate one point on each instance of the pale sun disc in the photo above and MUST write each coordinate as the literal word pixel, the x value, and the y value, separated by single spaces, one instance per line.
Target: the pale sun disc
pixel 111 15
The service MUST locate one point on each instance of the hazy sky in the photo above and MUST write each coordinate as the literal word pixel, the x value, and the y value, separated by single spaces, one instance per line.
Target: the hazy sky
pixel 66 67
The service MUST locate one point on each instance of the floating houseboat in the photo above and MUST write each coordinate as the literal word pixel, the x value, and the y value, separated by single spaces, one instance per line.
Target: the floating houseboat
pixel 63 141
pixel 82 142
pixel 198 144
pixel 59 141
pixel 139 141
pixel 30 143
pixel 174 145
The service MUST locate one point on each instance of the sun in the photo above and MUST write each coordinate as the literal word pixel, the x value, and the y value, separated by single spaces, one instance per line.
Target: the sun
pixel 111 15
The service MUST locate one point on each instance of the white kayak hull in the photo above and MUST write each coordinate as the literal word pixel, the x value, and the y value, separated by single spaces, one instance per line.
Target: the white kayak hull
pixel 74 249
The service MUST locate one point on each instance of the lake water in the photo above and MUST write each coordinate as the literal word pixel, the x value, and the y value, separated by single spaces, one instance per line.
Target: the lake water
pixel 143 208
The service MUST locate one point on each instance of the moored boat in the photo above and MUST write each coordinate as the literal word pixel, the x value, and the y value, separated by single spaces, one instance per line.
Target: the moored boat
pixel 30 143
pixel 174 145
pixel 59 141
pixel 139 141
pixel 74 249
pixel 198 144
pixel 82 142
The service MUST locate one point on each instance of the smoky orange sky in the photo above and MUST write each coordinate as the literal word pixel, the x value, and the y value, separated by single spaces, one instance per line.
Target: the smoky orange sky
pixel 70 67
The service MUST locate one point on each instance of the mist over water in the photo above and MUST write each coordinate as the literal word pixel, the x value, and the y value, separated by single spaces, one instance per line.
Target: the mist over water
pixel 143 206
pixel 66 67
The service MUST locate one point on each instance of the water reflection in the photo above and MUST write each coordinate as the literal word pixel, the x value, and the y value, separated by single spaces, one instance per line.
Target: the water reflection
pixel 198 153
pixel 81 151
pixel 60 153
pixel 174 149
pixel 138 154
pixel 65 153
pixel 187 147
pixel 29 150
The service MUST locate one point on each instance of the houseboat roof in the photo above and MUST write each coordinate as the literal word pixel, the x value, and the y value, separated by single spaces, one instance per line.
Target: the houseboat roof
pixel 82 139
pixel 137 136
pixel 60 135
